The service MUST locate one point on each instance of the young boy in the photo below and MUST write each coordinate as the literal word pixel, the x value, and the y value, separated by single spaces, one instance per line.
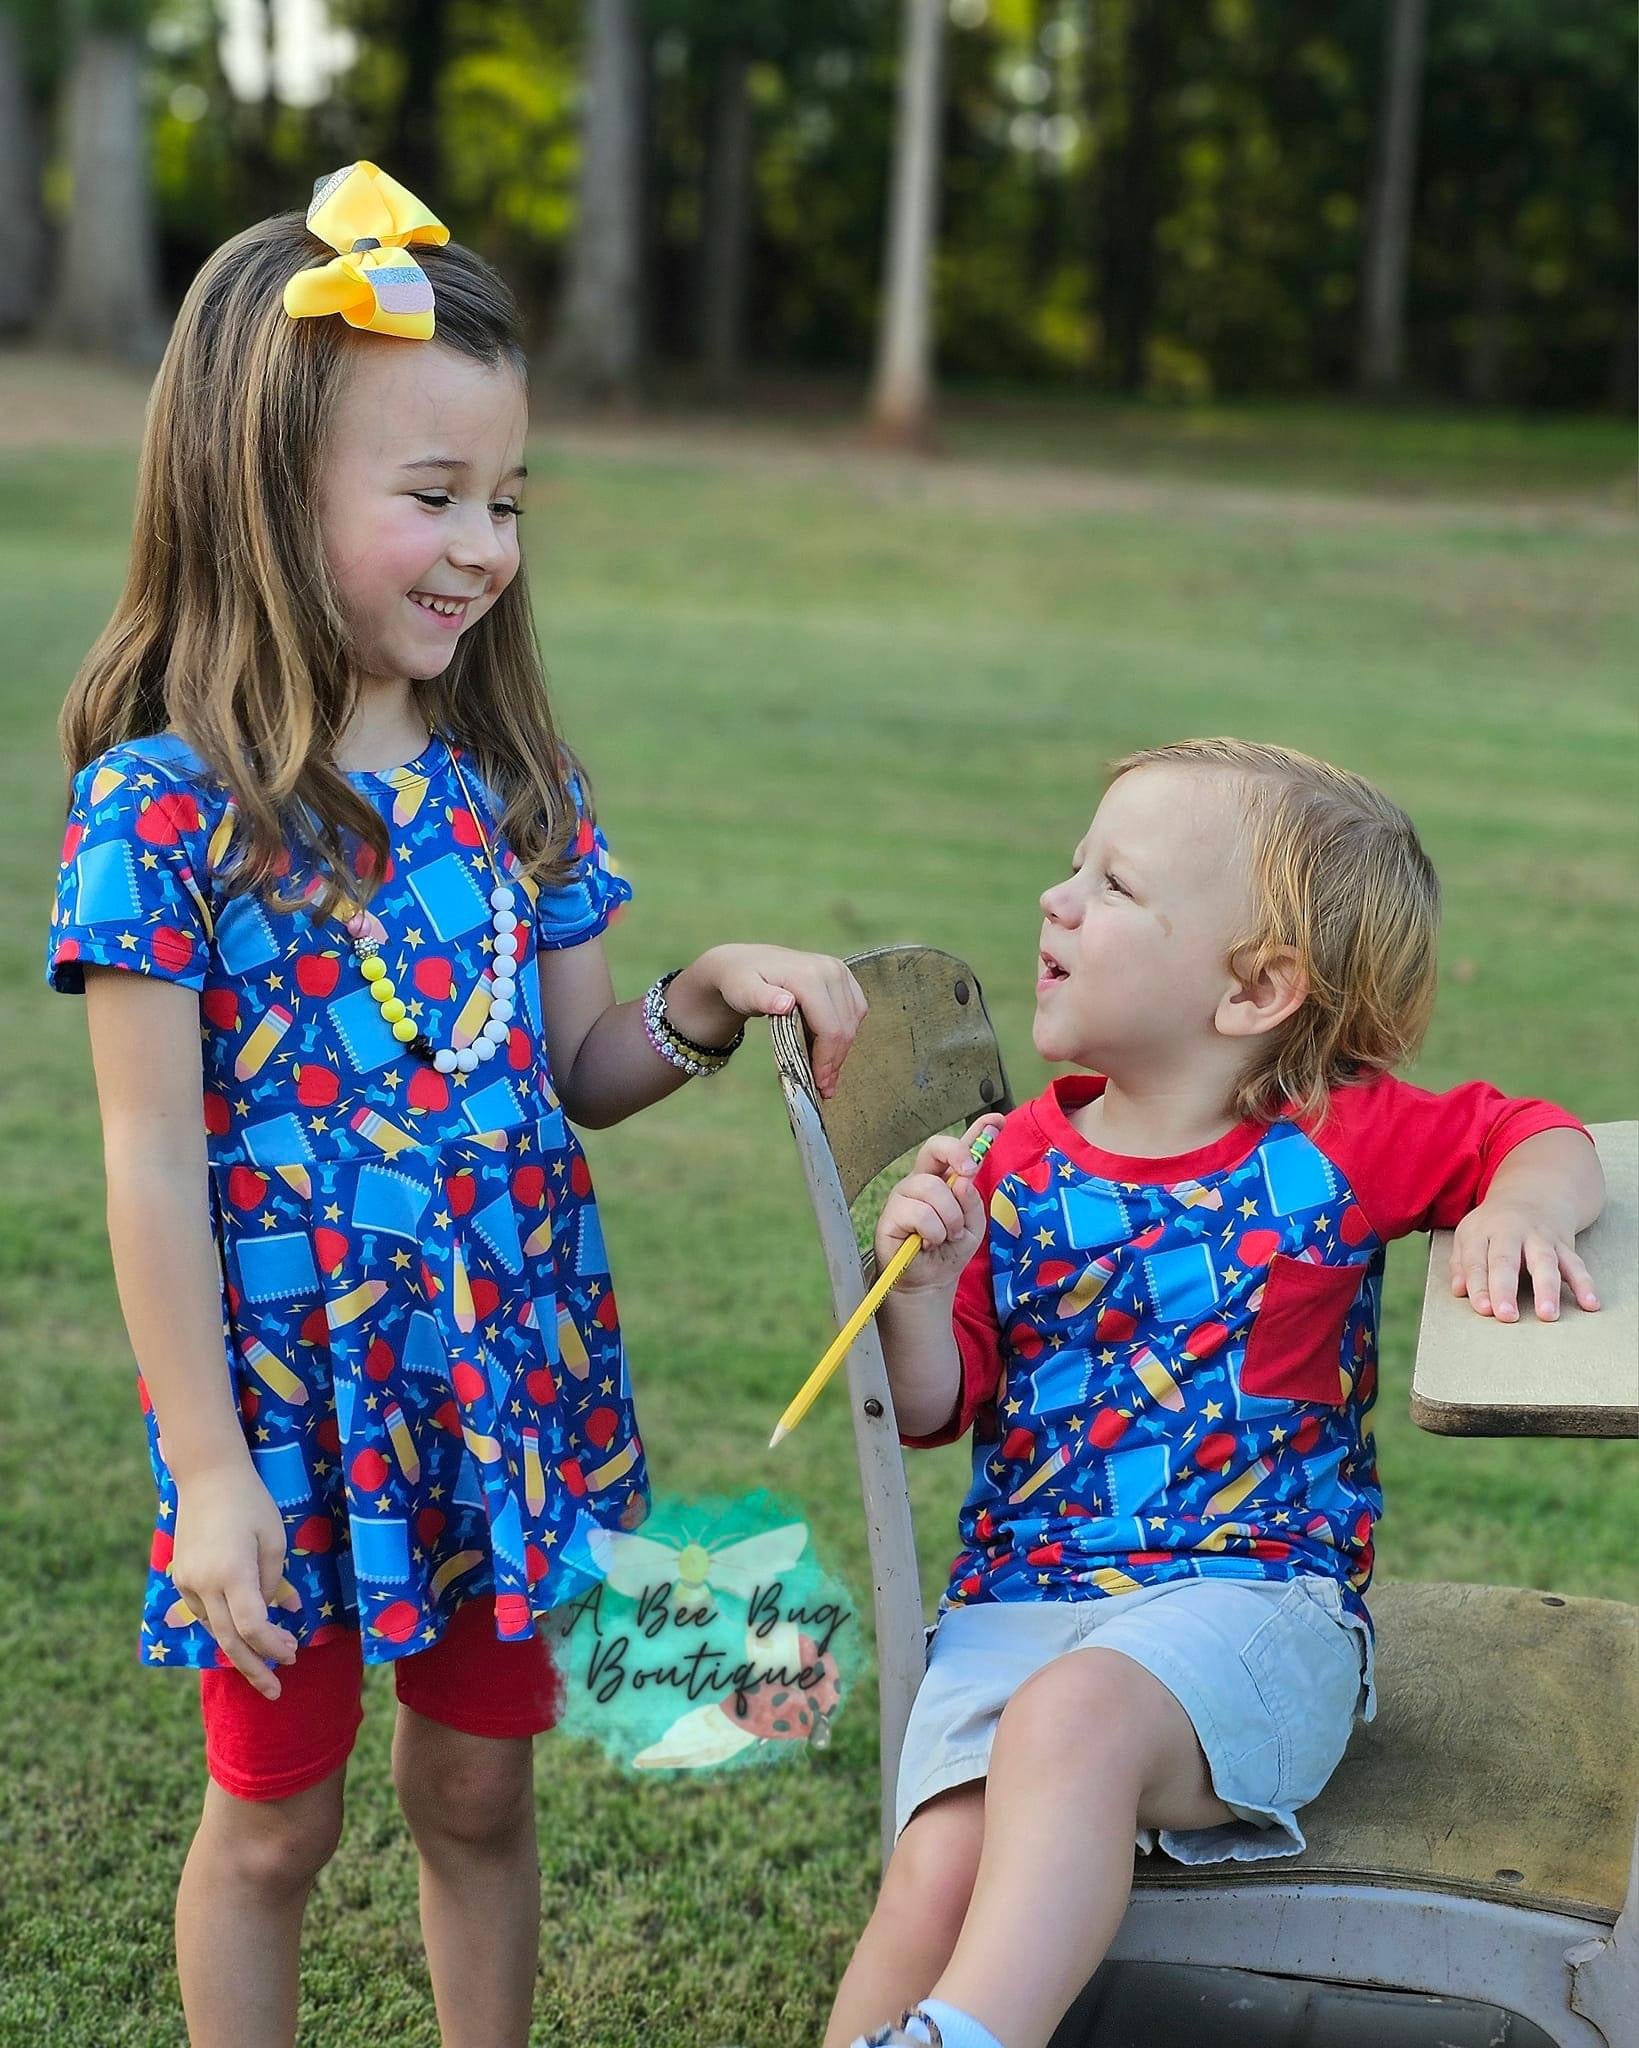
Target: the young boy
pixel 1156 1305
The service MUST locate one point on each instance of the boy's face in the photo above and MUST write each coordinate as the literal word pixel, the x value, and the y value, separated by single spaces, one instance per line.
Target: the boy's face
pixel 422 478
pixel 1135 944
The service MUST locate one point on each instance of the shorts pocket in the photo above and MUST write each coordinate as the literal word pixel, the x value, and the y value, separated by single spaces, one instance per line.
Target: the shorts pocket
pixel 1305 1663
pixel 1295 1350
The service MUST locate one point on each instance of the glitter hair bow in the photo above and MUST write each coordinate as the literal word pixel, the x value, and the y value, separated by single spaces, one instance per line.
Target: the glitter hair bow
pixel 373 281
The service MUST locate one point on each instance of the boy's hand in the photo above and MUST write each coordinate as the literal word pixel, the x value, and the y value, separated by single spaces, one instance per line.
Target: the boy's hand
pixel 709 1001
pixel 1494 1241
pixel 938 1203
pixel 228 1565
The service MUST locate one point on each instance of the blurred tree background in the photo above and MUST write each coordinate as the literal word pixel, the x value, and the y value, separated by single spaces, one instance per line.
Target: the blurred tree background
pixel 1240 198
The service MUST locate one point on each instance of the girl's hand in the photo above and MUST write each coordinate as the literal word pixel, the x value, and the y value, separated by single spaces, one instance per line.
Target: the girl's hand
pixel 1493 1241
pixel 938 1203
pixel 229 1564
pixel 710 1000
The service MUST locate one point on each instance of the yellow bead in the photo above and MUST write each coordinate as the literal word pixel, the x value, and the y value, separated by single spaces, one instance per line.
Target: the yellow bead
pixel 405 1029
pixel 382 990
pixel 392 1011
pixel 372 967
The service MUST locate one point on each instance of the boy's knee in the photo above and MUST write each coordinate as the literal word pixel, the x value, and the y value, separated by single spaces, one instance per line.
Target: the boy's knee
pixel 931 1874
pixel 466 1790
pixel 1077 1710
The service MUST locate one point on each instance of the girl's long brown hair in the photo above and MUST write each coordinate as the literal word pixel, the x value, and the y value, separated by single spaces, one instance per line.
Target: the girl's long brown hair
pixel 229 631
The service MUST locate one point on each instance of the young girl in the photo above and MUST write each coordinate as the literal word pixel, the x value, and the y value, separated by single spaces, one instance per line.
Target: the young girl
pixel 1158 1302
pixel 324 823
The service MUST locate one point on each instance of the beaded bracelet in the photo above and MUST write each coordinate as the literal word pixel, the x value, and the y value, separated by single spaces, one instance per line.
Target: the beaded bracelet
pixel 672 1045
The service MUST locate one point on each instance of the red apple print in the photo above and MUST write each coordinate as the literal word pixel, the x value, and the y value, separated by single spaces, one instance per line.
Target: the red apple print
pixel 1109 1426
pixel 249 1402
pixel 606 1313
pixel 365 862
pixel 543 1389
pixel 315 1327
pixel 315 1534
pixel 397 1622
pixel 1306 1435
pixel 1053 1272
pixel 464 826
pixel 1115 1326
pixel 1258 1247
pixel 163 821
pixel 428 1090
pixel 1073 1508
pixel 1148 1556
pixel 529 1186
pixel 512 1617
pixel 172 950
pixel 145 1400
pixel 1045 1553
pixel 601 1425
pixel 1352 1226
pixel 1146 1238
pixel 517 1049
pixel 460 1192
pixel 434 978
pixel 1363 1526
pixel 486 1296
pixel 160 1550
pixel 1214 1452
pixel 1270 1546
pixel 328 1437
pixel 535 1563
pixel 369 1470
pixel 985 1527
pixel 585 838
pixel 429 1526
pixel 379 1360
pixel 469 1384
pixel 332 1247
pixel 220 1008
pixel 318 973
pixel 1205 1339
pixel 448 1418
pixel 68 949
pixel 570 1472
pixel 326 1632
pixel 247 1190
pixel 431 1286
pixel 71 842
pixel 969 1586
pixel 1017 1445
pixel 580 1176
pixel 233 1299
pixel 1025 1340
pixel 317 1087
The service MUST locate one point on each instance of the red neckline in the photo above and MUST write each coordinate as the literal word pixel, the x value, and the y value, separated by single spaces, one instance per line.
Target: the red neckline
pixel 1052 1108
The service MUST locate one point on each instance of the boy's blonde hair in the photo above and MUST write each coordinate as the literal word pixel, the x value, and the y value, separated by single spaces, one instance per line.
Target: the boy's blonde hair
pixel 1338 875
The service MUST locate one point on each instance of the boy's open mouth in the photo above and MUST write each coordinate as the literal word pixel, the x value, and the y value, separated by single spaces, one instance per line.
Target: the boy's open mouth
pixel 1051 970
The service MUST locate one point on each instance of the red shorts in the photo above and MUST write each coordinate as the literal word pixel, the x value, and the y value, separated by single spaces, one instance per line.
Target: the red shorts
pixel 470 1680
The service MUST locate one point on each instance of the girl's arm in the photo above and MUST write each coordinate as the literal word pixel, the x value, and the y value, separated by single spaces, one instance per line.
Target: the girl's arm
pixel 228 1562
pixel 603 1062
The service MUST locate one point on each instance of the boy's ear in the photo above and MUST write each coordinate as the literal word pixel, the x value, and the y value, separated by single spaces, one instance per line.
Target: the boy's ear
pixel 1259 1001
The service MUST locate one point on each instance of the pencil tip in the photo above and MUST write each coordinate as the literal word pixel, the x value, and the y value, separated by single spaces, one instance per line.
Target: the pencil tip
pixel 778 1433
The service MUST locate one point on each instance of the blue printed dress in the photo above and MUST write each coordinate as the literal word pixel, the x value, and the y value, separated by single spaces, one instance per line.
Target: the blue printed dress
pixel 417 1315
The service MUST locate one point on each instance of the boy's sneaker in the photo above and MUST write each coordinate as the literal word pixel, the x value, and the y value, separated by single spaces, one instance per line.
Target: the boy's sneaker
pixel 896 2037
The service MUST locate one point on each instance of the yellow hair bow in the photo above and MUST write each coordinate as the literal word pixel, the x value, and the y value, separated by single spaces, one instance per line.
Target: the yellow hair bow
pixel 373 281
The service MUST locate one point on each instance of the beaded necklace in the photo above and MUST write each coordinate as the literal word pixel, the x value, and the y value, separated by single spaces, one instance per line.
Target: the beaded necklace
pixel 448 1059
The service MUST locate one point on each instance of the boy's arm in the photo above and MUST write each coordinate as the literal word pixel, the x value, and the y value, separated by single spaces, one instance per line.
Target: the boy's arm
pixel 1545 1191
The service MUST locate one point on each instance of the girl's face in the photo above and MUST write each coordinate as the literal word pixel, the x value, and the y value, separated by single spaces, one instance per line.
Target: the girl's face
pixel 419 501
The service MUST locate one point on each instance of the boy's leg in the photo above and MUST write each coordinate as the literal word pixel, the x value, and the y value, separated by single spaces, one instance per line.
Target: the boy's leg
pixel 239 1911
pixel 470 1803
pixel 1087 1751
pixel 918 1915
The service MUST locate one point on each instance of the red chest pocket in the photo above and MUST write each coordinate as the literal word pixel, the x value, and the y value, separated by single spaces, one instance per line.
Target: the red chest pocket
pixel 1295 1350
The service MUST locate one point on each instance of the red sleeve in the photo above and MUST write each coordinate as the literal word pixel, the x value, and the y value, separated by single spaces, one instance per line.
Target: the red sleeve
pixel 973 1319
pixel 1420 1161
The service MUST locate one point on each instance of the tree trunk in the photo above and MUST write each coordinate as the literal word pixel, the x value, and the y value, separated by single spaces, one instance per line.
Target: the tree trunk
pixel 107 289
pixel 1132 209
pixel 1487 349
pixel 1388 243
pixel 22 217
pixel 424 31
pixel 595 355
pixel 902 393
pixel 726 225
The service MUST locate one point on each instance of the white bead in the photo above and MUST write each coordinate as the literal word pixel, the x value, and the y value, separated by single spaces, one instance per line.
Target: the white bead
pixel 504 967
pixel 501 897
pixel 506 945
pixel 466 1059
pixel 495 1030
pixel 504 921
pixel 484 1048
pixel 501 1009
pixel 444 1059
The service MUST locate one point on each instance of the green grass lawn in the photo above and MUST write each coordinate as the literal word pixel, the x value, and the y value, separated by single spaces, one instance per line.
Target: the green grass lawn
pixel 834 710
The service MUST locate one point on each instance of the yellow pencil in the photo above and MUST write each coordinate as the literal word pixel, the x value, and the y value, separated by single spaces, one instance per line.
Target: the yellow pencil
pixel 809 1392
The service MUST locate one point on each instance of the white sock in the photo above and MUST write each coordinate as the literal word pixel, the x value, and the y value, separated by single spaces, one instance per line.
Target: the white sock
pixel 958 2029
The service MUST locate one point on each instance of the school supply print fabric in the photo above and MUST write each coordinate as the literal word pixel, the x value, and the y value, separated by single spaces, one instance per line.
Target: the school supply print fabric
pixel 1170 1365
pixel 416 1306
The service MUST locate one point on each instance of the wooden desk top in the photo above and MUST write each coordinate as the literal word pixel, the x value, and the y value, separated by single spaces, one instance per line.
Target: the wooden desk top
pixel 1578 1377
